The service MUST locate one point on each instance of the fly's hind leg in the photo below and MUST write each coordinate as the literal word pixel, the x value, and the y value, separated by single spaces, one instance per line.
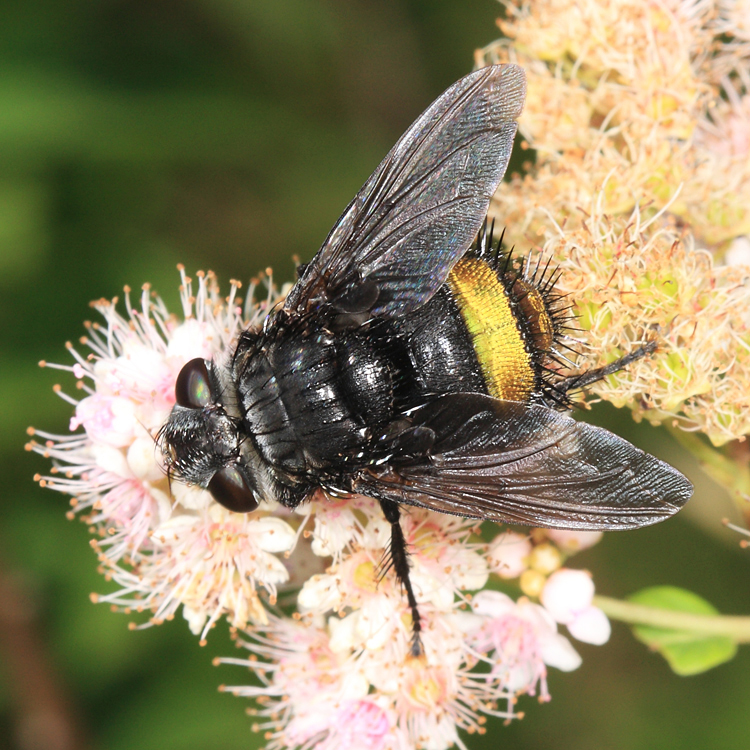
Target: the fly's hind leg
pixel 399 561
pixel 583 379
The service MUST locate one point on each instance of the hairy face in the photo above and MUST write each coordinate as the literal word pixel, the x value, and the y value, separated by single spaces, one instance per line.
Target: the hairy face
pixel 202 444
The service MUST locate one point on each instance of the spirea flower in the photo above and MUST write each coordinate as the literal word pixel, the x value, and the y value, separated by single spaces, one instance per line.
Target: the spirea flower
pixel 335 664
pixel 638 115
pixel 163 546
pixel 523 636
pixel 350 650
pixel 637 123
pixel 568 595
pixel 508 554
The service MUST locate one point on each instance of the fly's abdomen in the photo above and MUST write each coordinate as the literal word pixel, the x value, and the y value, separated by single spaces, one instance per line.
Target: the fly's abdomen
pixel 493 325
pixel 437 355
pixel 513 324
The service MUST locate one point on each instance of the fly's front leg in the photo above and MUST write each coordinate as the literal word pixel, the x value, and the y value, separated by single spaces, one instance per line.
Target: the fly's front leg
pixel 400 563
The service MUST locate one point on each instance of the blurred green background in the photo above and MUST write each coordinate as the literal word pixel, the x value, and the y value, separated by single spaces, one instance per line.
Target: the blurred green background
pixel 230 134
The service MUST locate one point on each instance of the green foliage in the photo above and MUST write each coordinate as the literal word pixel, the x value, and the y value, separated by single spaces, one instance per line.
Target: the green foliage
pixel 686 652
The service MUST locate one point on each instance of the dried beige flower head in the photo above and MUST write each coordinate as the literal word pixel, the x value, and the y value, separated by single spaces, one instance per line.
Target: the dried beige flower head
pixel 638 116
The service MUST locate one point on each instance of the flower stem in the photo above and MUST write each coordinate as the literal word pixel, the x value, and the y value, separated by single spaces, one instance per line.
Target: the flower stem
pixel 735 627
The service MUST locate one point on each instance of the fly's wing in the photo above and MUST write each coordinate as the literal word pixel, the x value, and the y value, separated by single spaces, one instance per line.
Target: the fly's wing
pixel 530 465
pixel 420 210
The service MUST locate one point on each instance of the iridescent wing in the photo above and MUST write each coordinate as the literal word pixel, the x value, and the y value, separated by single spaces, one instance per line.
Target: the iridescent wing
pixel 530 465
pixel 420 210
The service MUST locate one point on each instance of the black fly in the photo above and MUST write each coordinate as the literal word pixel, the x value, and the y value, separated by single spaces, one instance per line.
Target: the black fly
pixel 408 367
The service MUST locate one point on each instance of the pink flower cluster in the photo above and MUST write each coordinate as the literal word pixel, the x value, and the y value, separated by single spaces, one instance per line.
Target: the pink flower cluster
pixel 338 672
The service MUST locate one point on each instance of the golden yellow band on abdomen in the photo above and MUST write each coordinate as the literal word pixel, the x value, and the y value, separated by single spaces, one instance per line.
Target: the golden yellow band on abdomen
pixel 485 308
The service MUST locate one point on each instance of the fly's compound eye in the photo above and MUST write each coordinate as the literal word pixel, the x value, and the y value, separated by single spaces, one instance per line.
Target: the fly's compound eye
pixel 230 489
pixel 193 388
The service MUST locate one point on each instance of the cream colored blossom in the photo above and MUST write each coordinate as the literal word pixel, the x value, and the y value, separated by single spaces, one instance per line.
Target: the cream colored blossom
pixel 637 113
pixel 508 554
pixel 568 596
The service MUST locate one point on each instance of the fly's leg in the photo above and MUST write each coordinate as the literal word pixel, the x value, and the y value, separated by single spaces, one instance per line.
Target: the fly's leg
pixel 400 563
pixel 584 379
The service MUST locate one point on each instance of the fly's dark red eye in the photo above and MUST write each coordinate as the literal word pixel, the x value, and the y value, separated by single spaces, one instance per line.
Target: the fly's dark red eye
pixel 230 489
pixel 193 388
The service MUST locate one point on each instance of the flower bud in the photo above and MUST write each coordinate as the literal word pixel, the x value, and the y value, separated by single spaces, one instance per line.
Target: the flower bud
pixel 507 554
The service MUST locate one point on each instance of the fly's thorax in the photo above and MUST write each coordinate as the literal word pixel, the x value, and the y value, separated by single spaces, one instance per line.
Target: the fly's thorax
pixel 512 324
pixel 304 392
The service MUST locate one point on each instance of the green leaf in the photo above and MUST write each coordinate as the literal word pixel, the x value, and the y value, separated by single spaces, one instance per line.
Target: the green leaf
pixel 686 652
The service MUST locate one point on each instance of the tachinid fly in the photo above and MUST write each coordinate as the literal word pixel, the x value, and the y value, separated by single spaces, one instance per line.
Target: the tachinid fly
pixel 411 367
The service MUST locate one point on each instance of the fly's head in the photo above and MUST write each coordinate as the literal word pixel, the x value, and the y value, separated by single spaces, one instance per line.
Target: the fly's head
pixel 202 444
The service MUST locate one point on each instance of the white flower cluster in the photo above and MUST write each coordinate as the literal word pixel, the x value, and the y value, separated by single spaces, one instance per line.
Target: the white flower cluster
pixel 342 670
pixel 339 672
pixel 164 546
